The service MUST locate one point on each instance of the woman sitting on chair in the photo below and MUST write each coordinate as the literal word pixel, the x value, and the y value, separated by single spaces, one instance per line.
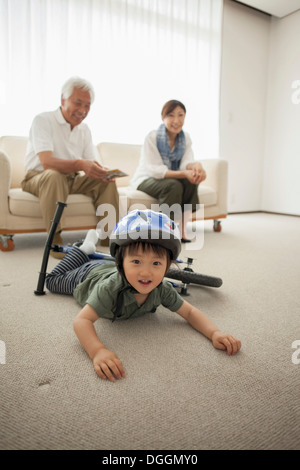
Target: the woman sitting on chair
pixel 167 170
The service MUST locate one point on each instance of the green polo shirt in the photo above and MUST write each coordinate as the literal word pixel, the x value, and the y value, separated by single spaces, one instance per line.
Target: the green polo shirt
pixel 102 285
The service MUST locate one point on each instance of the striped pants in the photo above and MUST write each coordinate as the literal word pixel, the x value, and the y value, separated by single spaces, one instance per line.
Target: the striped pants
pixel 70 271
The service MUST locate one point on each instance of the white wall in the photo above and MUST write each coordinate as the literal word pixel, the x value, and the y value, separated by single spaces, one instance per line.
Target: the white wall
pixel 281 182
pixel 245 53
pixel 259 109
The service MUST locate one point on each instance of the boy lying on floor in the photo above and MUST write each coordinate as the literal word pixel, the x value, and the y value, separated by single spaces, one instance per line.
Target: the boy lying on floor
pixel 144 244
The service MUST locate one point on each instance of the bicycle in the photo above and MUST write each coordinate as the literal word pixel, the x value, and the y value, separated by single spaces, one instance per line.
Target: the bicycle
pixel 185 275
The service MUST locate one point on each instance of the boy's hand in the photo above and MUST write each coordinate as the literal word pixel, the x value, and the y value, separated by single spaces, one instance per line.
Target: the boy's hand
pixel 108 365
pixel 224 341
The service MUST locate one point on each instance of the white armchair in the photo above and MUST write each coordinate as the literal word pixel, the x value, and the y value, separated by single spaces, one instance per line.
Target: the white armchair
pixel 212 192
pixel 20 211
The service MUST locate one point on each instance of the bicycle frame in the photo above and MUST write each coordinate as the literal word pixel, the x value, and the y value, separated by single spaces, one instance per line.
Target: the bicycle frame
pixel 41 281
pixel 61 248
pixel 96 255
pixel 186 275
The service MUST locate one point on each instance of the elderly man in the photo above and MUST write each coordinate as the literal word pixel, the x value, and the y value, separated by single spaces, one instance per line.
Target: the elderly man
pixel 60 146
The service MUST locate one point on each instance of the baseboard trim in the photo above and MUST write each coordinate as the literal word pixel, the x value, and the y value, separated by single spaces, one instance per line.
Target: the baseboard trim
pixel 263 212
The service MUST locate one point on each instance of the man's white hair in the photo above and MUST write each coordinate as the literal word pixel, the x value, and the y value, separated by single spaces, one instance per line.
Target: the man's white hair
pixel 77 82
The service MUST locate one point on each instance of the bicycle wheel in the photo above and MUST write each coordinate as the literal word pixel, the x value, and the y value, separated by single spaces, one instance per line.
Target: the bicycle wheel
pixel 190 277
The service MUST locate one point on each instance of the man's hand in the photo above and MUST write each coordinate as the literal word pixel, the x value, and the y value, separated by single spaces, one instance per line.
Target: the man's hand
pixel 91 168
pixel 108 365
pixel 224 341
pixel 94 170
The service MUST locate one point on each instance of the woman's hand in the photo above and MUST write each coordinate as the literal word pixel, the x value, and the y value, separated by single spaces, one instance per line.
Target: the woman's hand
pixel 108 365
pixel 195 173
pixel 226 342
pixel 195 177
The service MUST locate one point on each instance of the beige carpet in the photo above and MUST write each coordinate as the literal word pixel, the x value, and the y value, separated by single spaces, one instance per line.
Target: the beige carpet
pixel 179 392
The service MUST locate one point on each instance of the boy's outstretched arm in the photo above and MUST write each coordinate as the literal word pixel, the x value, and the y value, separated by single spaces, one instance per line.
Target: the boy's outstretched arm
pixel 201 323
pixel 106 363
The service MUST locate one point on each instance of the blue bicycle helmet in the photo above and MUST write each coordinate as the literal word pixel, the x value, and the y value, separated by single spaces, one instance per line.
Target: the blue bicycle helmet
pixel 148 226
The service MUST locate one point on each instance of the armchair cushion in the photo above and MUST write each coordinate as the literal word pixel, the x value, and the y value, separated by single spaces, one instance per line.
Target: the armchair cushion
pixel 26 205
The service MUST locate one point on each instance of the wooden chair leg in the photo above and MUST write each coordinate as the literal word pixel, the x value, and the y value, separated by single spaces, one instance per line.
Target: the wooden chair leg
pixel 217 225
pixel 6 243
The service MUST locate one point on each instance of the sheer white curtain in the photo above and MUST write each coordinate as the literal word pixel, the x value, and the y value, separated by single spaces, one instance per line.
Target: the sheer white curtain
pixel 138 54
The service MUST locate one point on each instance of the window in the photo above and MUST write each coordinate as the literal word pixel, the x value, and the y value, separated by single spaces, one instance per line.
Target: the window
pixel 138 54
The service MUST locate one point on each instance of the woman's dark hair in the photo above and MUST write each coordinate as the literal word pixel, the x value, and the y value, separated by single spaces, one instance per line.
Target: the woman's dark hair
pixel 169 107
